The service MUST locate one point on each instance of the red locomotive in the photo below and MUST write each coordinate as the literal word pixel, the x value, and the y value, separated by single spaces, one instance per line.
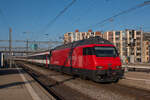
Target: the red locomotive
pixel 94 58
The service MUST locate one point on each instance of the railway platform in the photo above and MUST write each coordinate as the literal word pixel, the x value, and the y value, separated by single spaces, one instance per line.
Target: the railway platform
pixel 15 84
pixel 137 79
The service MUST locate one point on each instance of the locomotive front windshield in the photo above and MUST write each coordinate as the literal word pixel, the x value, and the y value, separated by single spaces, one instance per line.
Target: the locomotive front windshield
pixel 102 51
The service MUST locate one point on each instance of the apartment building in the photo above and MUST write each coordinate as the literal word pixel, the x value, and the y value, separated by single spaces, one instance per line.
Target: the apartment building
pixel 145 52
pixel 146 47
pixel 75 36
pixel 131 44
pixel 134 40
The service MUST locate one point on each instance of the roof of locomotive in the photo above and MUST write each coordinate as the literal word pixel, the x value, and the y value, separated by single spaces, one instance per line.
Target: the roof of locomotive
pixel 91 40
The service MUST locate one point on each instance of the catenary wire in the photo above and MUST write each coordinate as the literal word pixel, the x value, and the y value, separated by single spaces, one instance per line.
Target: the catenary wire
pixel 50 24
pixel 120 13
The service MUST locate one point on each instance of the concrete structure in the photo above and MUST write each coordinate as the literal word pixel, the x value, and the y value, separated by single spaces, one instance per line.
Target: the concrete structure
pixel 16 84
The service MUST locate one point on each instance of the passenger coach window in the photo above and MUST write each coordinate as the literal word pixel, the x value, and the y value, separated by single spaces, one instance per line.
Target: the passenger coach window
pixel 88 51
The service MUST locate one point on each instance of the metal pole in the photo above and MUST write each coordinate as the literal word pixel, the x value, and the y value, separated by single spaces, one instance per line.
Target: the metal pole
pixel 27 46
pixel 10 46
pixel 141 45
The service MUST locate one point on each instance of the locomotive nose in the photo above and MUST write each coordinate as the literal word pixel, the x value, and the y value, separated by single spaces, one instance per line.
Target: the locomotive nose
pixel 109 63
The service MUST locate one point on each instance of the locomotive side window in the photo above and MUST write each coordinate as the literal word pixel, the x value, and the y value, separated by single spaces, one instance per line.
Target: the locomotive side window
pixel 88 51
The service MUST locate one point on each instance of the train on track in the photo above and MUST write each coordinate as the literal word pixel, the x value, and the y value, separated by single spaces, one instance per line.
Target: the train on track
pixel 94 58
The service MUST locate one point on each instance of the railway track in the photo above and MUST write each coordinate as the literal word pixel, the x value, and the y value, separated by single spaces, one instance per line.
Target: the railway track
pixel 35 75
pixel 52 86
pixel 73 88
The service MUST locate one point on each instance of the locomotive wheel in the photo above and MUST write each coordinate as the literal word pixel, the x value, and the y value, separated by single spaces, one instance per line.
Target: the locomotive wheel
pixel 116 80
pixel 96 77
pixel 83 77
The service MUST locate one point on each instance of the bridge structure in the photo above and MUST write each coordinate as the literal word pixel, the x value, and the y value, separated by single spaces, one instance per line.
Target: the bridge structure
pixel 24 47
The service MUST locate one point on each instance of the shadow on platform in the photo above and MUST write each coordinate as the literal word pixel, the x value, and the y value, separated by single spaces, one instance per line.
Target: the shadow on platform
pixel 14 84
pixel 9 71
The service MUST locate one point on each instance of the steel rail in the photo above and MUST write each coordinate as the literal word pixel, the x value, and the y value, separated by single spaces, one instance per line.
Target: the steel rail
pixel 34 75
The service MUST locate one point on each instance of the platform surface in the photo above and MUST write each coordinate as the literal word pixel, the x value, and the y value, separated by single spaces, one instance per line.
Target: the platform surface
pixel 15 84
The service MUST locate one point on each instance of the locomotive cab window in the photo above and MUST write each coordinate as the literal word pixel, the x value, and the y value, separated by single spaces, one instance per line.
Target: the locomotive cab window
pixel 88 51
pixel 102 51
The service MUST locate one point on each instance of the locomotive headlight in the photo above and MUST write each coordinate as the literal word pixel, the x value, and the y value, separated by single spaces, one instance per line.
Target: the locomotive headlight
pixel 118 66
pixel 99 67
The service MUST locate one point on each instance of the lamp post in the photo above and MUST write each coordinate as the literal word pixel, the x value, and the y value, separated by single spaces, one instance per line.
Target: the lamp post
pixel 10 47
pixel 27 42
pixel 48 40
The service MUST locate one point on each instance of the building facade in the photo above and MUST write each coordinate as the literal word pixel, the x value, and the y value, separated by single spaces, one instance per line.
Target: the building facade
pixel 146 47
pixel 145 52
pixel 75 36
pixel 134 43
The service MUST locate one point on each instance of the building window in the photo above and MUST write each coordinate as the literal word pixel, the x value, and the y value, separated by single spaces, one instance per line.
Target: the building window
pixel 138 43
pixel 138 59
pixel 138 38
pixel 117 33
pixel 146 53
pixel 138 33
pixel 138 54
pixel 147 43
pixel 147 48
pixel 69 34
pixel 138 48
pixel 117 45
pixel 117 39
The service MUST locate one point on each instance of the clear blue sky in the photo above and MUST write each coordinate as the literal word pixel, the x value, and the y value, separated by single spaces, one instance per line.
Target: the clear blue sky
pixel 33 16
